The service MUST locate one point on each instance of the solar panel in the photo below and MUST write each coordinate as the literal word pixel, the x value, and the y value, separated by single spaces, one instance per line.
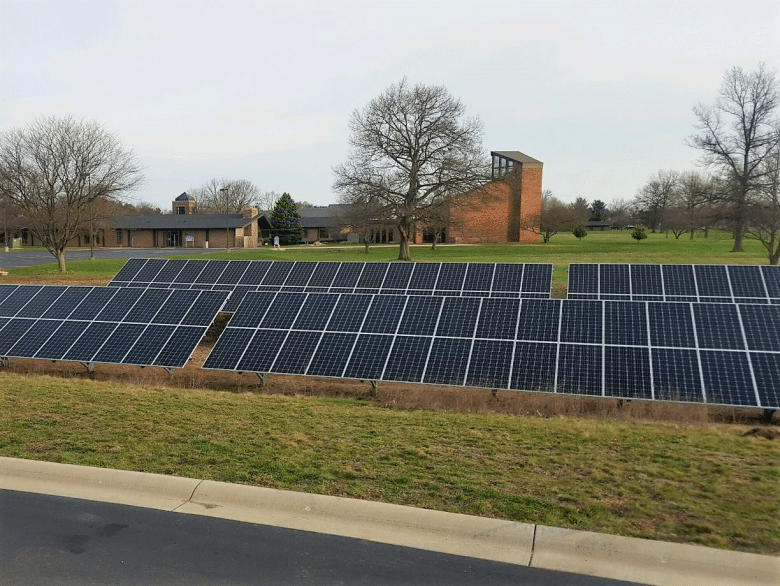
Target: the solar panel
pixel 651 350
pixel 702 283
pixel 147 327
pixel 388 278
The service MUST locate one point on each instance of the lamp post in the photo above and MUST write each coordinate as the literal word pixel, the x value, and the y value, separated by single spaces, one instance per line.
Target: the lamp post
pixel 227 217
pixel 91 218
pixel 5 224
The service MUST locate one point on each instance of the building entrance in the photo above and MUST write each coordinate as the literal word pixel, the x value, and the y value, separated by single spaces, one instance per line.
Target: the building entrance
pixel 173 238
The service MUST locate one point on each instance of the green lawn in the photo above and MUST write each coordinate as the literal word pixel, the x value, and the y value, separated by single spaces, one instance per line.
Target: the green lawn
pixel 707 485
pixel 562 250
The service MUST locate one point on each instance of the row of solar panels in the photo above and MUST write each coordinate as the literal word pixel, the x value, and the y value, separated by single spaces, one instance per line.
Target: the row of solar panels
pixel 639 282
pixel 699 352
pixel 154 327
pixel 148 325
pixel 653 282
pixel 242 276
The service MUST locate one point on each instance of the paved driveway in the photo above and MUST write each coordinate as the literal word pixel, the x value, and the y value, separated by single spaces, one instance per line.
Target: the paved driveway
pixel 26 258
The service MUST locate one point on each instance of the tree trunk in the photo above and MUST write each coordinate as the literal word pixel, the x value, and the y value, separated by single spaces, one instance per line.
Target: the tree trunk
pixel 737 240
pixel 60 254
pixel 403 247
pixel 366 243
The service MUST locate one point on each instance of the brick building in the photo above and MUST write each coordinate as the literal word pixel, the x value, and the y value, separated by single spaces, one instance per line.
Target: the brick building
pixel 501 210
pixel 185 228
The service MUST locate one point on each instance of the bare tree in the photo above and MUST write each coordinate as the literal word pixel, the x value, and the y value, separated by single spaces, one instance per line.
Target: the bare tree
pixel 580 210
pixel 225 196
pixel 621 213
pixel 362 216
pixel 413 150
pixel 266 201
pixel 554 216
pixel 654 196
pixel 736 135
pixel 688 203
pixel 763 211
pixel 52 170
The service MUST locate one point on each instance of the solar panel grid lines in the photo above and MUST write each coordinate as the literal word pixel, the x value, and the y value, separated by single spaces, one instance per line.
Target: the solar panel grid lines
pixel 700 283
pixel 92 324
pixel 239 277
pixel 608 348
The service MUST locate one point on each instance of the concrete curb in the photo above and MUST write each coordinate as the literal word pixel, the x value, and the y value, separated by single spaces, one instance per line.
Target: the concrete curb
pixel 650 562
pixel 607 556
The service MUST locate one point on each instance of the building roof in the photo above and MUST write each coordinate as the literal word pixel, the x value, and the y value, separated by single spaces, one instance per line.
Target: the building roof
pixel 323 216
pixel 184 221
pixel 518 157
pixel 185 197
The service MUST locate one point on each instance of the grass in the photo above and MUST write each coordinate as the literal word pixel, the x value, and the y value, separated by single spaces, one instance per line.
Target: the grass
pixel 563 249
pixel 706 485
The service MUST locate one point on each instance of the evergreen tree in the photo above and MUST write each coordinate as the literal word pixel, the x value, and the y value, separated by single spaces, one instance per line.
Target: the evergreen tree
pixel 639 233
pixel 598 211
pixel 580 232
pixel 286 220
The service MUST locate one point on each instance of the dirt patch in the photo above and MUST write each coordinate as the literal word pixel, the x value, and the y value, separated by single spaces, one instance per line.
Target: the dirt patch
pixel 398 395
pixel 765 432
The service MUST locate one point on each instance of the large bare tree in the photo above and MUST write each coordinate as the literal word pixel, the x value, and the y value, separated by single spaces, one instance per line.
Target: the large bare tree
pixel 225 196
pixel 736 135
pixel 412 149
pixel 687 208
pixel 654 196
pixel 763 213
pixel 54 169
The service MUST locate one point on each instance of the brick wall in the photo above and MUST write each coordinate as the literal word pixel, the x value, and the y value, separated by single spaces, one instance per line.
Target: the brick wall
pixel 497 212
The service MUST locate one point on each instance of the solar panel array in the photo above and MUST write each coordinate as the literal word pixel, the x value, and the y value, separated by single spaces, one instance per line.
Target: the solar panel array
pixel 690 352
pixel 397 278
pixel 655 282
pixel 152 327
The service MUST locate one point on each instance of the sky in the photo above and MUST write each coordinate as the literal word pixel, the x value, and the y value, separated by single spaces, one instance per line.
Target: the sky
pixel 601 91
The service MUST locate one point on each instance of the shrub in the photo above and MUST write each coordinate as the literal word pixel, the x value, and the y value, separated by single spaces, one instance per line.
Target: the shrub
pixel 639 233
pixel 580 232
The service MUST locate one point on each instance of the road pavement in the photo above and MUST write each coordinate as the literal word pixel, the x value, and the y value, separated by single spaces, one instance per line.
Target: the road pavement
pixel 24 258
pixel 359 523
pixel 56 540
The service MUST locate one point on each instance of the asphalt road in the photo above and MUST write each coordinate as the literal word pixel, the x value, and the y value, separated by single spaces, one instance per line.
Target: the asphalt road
pixel 55 540
pixel 25 258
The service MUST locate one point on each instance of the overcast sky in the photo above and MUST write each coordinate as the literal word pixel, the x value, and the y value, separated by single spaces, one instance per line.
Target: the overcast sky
pixel 600 91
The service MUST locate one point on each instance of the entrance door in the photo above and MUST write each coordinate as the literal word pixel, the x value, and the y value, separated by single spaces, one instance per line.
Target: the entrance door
pixel 173 238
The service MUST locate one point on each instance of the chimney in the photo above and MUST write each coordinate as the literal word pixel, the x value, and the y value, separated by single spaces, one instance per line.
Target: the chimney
pixel 250 212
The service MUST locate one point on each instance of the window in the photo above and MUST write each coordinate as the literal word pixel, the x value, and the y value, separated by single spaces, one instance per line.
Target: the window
pixel 119 236
pixel 180 210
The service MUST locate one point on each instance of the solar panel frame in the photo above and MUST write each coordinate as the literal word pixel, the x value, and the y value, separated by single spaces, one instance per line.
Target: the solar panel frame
pixel 581 347
pixel 514 280
pixel 17 299
pixel 537 280
pixel 91 324
pixel 677 283
pixel 130 269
